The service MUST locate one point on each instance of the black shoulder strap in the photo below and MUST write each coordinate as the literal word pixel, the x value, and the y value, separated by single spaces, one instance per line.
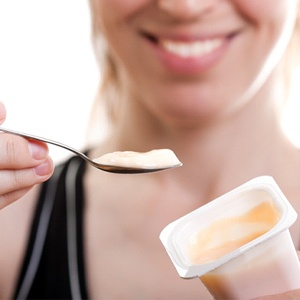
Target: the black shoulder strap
pixel 57 222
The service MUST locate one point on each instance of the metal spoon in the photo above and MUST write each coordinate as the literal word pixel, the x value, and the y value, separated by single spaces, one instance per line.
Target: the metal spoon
pixel 103 167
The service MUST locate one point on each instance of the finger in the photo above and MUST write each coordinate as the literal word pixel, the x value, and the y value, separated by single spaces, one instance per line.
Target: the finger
pixel 19 153
pixel 2 112
pixel 13 180
pixel 12 197
pixel 290 295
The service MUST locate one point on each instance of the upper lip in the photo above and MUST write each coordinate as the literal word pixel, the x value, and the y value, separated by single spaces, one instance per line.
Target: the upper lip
pixel 188 36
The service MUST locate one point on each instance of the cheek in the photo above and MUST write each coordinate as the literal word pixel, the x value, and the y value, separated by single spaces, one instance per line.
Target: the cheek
pixel 116 9
pixel 266 10
pixel 110 16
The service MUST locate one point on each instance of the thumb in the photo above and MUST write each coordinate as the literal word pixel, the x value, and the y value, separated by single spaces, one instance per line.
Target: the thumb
pixel 2 112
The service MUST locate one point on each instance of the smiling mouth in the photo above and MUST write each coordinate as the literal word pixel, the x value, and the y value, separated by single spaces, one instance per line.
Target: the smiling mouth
pixel 189 49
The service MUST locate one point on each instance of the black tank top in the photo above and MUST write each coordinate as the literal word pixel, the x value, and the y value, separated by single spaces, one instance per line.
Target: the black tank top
pixel 53 266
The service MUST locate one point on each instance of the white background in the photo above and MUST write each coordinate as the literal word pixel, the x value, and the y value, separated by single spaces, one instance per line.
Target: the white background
pixel 48 74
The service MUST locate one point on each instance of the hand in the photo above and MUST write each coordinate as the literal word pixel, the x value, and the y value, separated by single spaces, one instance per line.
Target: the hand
pixel 23 164
pixel 290 295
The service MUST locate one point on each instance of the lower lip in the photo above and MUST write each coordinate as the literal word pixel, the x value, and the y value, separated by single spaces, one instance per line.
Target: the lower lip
pixel 189 65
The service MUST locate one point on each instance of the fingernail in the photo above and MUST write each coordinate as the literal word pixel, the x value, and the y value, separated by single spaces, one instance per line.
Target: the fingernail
pixel 43 169
pixel 37 150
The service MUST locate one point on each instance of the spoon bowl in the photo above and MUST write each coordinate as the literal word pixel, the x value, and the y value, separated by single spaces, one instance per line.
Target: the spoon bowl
pixel 112 168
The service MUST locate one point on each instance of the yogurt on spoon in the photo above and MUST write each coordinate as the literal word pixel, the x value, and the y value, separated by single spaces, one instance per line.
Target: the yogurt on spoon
pixel 154 159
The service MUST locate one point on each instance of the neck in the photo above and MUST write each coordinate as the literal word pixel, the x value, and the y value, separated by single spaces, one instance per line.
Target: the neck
pixel 216 156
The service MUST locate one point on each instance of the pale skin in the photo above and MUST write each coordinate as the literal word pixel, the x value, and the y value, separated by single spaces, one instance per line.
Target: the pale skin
pixel 222 138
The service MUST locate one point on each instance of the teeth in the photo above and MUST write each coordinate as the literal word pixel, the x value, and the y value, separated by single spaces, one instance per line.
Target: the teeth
pixel 191 49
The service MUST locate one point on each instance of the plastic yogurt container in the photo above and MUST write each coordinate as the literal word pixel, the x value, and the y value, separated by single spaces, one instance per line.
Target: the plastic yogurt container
pixel 239 244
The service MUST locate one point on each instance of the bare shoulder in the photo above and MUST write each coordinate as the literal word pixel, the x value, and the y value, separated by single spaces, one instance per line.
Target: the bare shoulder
pixel 15 222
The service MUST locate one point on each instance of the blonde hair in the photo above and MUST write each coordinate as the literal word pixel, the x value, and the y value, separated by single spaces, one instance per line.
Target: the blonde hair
pixel 108 93
pixel 291 59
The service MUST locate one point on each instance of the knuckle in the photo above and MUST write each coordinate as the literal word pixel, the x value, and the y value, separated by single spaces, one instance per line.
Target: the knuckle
pixel 18 179
pixel 10 149
pixel 13 152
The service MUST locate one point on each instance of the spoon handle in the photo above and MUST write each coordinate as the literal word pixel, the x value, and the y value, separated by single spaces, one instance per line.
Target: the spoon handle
pixel 105 167
pixel 45 140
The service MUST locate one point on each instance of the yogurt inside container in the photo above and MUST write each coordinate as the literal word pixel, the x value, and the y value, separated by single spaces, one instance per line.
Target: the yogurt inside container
pixel 239 245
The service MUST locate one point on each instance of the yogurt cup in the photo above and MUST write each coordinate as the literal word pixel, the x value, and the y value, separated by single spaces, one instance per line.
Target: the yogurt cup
pixel 243 243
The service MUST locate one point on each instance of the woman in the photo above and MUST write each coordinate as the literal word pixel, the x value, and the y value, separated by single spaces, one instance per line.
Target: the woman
pixel 203 78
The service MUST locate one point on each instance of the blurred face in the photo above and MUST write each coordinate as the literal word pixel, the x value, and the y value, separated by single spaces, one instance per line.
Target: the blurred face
pixel 191 59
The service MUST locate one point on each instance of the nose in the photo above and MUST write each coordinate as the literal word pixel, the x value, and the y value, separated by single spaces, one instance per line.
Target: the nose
pixel 183 9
